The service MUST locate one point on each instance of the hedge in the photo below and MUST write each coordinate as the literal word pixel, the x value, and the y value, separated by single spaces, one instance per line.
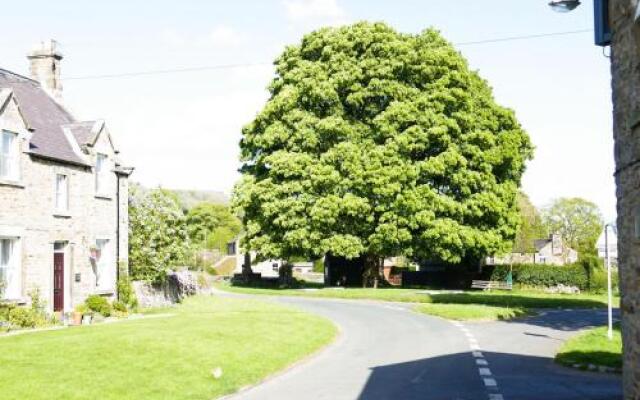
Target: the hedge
pixel 544 275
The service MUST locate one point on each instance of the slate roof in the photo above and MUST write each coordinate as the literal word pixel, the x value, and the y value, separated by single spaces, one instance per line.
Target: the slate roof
pixel 45 116
pixel 540 243
pixel 82 132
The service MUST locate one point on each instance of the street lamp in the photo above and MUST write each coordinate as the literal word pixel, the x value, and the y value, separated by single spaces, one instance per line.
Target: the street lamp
pixel 564 6
pixel 609 296
pixel 602 28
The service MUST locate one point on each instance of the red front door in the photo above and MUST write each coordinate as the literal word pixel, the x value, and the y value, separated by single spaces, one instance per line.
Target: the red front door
pixel 58 281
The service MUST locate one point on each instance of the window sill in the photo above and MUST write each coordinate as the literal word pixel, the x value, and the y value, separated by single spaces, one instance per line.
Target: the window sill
pixel 20 301
pixel 105 292
pixel 61 214
pixel 10 182
pixel 103 197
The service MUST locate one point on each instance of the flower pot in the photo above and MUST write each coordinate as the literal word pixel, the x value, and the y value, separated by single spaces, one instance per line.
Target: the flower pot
pixel 86 319
pixel 77 318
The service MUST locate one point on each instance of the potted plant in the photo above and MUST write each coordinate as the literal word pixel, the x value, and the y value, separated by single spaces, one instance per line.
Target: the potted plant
pixel 79 311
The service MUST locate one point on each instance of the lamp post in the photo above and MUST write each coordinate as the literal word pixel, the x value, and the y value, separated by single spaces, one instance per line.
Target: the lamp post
pixel 564 5
pixel 609 295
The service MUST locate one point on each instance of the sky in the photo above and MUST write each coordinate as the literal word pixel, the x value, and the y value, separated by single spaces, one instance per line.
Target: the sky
pixel 181 129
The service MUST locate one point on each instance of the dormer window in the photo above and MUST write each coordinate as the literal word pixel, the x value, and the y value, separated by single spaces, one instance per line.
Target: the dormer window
pixel 9 155
pixel 102 173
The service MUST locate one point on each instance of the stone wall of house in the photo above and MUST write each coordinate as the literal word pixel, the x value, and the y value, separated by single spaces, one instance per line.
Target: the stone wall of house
pixel 625 65
pixel 27 211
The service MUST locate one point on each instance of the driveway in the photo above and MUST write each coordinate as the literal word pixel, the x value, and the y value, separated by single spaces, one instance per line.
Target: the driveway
pixel 386 351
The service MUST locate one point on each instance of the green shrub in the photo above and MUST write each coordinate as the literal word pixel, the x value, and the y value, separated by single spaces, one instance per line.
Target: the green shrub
pixel 82 309
pixel 98 304
pixel 119 306
pixel 126 294
pixel 318 265
pixel 23 317
pixel 542 275
pixel 598 282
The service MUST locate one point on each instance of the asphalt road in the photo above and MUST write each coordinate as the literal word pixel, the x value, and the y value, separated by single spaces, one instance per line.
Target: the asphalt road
pixel 386 351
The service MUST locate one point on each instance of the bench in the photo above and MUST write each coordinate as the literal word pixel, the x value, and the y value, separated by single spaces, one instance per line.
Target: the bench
pixel 488 285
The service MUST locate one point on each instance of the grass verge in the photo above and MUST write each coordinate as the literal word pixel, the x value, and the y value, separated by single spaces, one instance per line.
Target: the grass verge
pixel 592 347
pixel 162 358
pixel 514 299
pixel 470 312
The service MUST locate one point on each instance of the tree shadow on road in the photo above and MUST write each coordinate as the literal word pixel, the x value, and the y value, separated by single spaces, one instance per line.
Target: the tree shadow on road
pixel 456 376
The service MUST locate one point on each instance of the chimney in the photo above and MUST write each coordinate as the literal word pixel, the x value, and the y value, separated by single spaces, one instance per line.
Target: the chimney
pixel 45 67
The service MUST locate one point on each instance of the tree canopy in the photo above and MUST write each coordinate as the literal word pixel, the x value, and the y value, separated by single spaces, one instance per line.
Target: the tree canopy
pixel 577 220
pixel 530 226
pixel 379 143
pixel 212 225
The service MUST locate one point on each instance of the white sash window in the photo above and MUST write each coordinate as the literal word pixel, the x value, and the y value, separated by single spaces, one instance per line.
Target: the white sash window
pixel 102 173
pixel 10 274
pixel 105 266
pixel 62 193
pixel 8 155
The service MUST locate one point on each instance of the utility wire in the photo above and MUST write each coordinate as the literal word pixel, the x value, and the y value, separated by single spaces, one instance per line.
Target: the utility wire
pixel 525 37
pixel 258 64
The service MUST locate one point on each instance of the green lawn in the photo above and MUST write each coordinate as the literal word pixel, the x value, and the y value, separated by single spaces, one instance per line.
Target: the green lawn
pixel 511 299
pixel 163 357
pixel 470 312
pixel 593 347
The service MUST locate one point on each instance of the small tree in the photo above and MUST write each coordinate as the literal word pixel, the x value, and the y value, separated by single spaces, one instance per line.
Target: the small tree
pixel 530 225
pixel 158 239
pixel 212 225
pixel 577 220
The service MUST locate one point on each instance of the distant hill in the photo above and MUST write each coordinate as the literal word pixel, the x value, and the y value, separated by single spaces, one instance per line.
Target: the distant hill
pixel 189 198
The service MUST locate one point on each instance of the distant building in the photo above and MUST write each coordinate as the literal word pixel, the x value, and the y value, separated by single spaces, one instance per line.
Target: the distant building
pixel 548 251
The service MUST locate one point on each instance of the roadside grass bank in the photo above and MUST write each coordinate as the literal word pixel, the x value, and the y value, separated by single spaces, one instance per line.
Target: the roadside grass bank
pixel 471 312
pixel 511 299
pixel 592 349
pixel 468 305
pixel 242 341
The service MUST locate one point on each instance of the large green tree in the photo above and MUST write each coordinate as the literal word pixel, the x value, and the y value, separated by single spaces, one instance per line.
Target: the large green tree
pixel 158 238
pixel 530 227
pixel 376 143
pixel 577 220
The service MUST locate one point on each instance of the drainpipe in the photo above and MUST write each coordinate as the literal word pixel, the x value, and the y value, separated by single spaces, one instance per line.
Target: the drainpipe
pixel 117 233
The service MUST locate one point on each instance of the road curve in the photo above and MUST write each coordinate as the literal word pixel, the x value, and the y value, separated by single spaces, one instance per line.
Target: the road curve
pixel 387 351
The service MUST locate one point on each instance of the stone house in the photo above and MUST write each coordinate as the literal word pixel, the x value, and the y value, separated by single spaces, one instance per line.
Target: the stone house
pixel 548 251
pixel 624 21
pixel 63 193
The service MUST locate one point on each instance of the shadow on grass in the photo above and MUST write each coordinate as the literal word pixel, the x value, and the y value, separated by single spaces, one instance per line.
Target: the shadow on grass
pixel 516 300
pixel 604 358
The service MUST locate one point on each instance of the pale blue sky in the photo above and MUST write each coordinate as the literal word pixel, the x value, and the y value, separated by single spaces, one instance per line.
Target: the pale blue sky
pixel 181 130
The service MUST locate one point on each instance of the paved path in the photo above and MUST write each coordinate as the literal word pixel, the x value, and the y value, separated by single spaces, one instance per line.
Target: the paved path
pixel 386 351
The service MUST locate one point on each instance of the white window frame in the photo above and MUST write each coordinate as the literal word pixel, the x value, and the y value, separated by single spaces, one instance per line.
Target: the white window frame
pixel 61 196
pixel 105 266
pixel 11 272
pixel 102 173
pixel 11 156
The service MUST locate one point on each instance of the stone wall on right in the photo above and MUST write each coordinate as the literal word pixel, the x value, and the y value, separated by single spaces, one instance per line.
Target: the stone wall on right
pixel 625 71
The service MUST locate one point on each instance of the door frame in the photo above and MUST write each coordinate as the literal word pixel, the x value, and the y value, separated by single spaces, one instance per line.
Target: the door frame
pixel 62 249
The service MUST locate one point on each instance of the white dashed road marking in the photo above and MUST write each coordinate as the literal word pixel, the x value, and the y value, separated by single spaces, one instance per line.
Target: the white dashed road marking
pixel 487 377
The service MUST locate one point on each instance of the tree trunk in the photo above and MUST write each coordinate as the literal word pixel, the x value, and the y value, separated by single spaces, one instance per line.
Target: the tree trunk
pixel 246 265
pixel 371 274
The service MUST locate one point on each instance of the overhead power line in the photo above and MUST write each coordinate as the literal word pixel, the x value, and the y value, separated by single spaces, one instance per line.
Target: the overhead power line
pixel 524 37
pixel 260 64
